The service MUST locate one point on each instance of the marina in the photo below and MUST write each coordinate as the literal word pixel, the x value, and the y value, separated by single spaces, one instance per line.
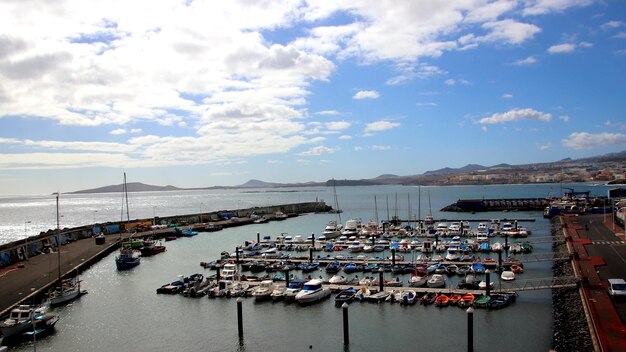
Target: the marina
pixel 136 288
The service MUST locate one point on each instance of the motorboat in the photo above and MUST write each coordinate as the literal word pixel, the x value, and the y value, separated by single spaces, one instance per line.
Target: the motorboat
pixel 454 299
pixel 507 275
pixel 229 271
pixel 408 297
pixel 496 247
pixel 292 290
pixel 278 293
pixel 437 280
pixel 312 291
pixel 352 227
pixel 23 317
pixel 337 280
pixel 356 246
pixel 466 300
pixel 332 230
pixel 418 280
pixel 395 296
pixel 264 290
pixel 363 294
pixel 483 285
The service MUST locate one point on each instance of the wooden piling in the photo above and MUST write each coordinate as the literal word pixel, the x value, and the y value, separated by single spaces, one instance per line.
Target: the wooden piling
pixel 346 330
pixel 240 317
pixel 470 329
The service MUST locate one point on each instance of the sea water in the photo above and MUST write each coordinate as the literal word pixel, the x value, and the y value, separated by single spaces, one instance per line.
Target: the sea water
pixel 122 311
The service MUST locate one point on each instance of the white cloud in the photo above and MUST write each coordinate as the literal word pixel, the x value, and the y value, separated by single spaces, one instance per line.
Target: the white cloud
pixel 562 48
pixel 274 162
pixel 509 31
pixel 345 137
pixel 426 104
pixel 319 150
pixel 118 131
pixel 135 130
pixel 382 125
pixel 327 113
pixel 507 96
pixel 516 115
pixel 542 7
pixel 366 94
pixel 620 35
pixel 545 146
pixel 564 118
pixel 484 129
pixel 585 140
pixel 338 125
pixel 612 25
pixel 453 82
pixel 381 147
pixel 585 45
pixel 358 149
pixel 527 61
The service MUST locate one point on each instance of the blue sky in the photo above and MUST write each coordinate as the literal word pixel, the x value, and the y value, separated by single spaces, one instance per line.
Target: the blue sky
pixel 202 93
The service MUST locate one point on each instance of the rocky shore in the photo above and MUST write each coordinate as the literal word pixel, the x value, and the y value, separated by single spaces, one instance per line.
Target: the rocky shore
pixel 571 332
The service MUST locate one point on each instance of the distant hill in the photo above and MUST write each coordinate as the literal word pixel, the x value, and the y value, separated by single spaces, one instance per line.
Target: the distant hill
pixel 447 170
pixel 131 187
pixel 386 176
pixel 257 184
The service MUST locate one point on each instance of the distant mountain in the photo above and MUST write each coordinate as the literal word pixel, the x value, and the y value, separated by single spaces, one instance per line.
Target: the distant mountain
pixel 258 184
pixel 386 176
pixel 447 170
pixel 131 187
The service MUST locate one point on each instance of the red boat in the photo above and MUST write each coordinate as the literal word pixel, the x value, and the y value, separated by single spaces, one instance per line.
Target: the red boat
pixel 442 300
pixel 467 300
pixel 454 299
pixel 152 248
pixel 517 269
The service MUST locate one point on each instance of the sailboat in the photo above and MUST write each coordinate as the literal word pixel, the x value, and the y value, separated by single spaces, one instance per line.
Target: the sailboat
pixel 333 228
pixel 69 289
pixel 128 258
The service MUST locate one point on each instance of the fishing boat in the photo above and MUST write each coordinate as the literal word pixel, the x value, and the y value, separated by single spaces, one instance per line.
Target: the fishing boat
pixel 25 317
pixel 408 297
pixel 127 259
pixel 312 291
pixel 345 296
pixel 151 248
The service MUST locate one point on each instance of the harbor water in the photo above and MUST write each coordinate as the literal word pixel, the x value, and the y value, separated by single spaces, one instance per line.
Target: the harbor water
pixel 122 312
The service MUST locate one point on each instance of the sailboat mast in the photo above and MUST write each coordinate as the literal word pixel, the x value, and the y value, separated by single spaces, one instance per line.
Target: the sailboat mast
pixel 376 208
pixel 336 200
pixel 419 203
pixel 58 241
pixel 126 195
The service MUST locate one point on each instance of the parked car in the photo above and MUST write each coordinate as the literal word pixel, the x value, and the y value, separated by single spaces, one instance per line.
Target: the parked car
pixel 617 288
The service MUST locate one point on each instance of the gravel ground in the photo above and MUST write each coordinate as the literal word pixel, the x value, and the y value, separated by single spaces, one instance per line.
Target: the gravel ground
pixel 571 332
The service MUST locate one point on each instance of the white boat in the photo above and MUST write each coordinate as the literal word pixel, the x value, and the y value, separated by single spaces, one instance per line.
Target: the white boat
pixel 264 290
pixel 483 285
pixel 436 281
pixel 366 281
pixel 496 247
pixel 332 230
pixel 408 297
pixel 229 272
pixel 508 275
pixel 312 291
pixel 418 280
pixel 22 318
pixel 453 254
pixel 337 280
pixel 454 228
pixel 356 246
pixel 352 227
pixel 482 227
pixel 427 246
pixel 368 248
pixel 278 293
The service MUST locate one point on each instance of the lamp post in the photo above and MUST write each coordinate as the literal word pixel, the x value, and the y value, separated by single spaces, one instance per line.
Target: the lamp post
pixel 26 237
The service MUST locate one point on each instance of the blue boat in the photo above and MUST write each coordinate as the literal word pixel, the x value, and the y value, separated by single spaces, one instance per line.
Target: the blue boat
pixel 308 267
pixel 485 247
pixel 333 267
pixel 478 268
pixel 345 296
pixel 350 268
pixel 189 233
pixel 127 259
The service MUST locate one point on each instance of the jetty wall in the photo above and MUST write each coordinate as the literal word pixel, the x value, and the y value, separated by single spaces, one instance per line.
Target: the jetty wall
pixel 23 249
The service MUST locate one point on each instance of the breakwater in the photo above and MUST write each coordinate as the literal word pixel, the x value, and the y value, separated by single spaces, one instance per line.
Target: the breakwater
pixel 21 250
pixel 500 204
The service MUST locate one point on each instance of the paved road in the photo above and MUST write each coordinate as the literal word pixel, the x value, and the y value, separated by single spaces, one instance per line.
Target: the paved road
pixel 611 248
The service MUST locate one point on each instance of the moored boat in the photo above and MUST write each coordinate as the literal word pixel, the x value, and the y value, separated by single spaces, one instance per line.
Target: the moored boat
pixel 442 300
pixel 345 296
pixel 312 291
pixel 408 297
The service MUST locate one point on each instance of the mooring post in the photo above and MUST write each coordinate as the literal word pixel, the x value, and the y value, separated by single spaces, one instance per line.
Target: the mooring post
pixel 286 278
pixel 310 255
pixel 237 254
pixel 436 240
pixel 506 243
pixel 393 257
pixel 470 329
pixel 346 330
pixel 217 274
pixel 380 280
pixel 500 258
pixel 487 279
pixel 240 317
pixel 258 237
pixel 312 240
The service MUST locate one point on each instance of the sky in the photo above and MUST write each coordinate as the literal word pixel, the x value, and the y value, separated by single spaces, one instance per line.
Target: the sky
pixel 203 93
